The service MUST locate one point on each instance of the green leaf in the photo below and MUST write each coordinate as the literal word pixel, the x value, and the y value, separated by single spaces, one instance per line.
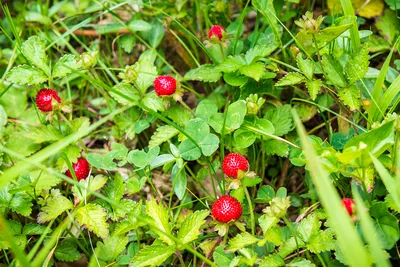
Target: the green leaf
pixel 388 24
pixel 53 206
pixel 300 262
pixel 93 218
pixel 197 129
pixel 43 180
pixel 320 242
pixel 87 186
pixel 314 87
pixel 147 73
pixel 241 241
pixel 281 119
pixel 276 147
pixel 386 225
pixel 209 144
pixel 205 109
pixel 306 66
pixel 350 96
pixel 153 255
pixel 65 65
pixel 120 150
pixel 160 217
pixel 273 260
pixel 162 134
pixel 204 73
pixel 124 89
pixel 179 181
pixel 139 25
pixel 221 257
pixel 72 152
pixel 67 250
pixel 25 74
pixel 234 117
pixel 292 78
pixel 111 248
pixel 115 188
pixel 153 102
pixel 255 70
pixel 188 150
pixel 308 227
pixel 265 194
pixel 128 42
pixel 13 100
pixel 231 64
pixel 102 162
pixel 333 71
pixel 190 227
pixel 243 138
pixel 235 78
pixel 259 51
pixel 34 229
pixel 357 65
pixel 266 8
pixel 155 34
pixel 31 16
pixel 79 123
pixel 21 203
pixel 34 49
pixel 267 222
pixel 44 133
pixel 289 246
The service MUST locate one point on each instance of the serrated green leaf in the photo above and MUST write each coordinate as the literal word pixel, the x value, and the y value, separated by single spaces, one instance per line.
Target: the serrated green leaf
pixel 21 203
pixel 25 74
pixel 53 206
pixel 289 246
pixel 147 73
pixel 67 250
pixel 231 64
pixel 79 123
pixel 93 218
pixel 276 147
pixel 259 51
pixel 44 133
pixel 115 188
pixel 190 227
pixel 306 66
pixel 350 96
pixel 162 134
pixel 308 227
pixel 281 118
pixel 388 24
pixel 241 241
pixel 153 255
pixel 66 65
pixel 273 260
pixel 333 71
pixel 314 87
pixel 34 49
pixel 128 42
pixel 292 78
pixel 255 70
pixel 204 73
pixel 43 180
pixel 110 248
pixel 153 102
pixel 300 262
pixel 159 214
pixel 221 257
pixel 125 94
pixel 357 65
pixel 266 222
pixel 322 241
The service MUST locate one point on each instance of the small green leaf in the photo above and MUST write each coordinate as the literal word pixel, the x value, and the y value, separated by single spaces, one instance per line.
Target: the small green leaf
pixel 350 96
pixel 244 138
pixel 234 117
pixel 159 214
pixel 308 227
pixel 125 94
pixel 273 260
pixel 188 150
pixel 53 206
pixel 102 162
pixel 306 66
pixel 265 194
pixel 179 181
pixel 44 133
pixel 115 188
pixel 67 250
pixel 139 25
pixel 357 65
pixel 162 134
pixel 34 49
pixel 155 34
pixel 128 42
pixel 241 241
pixel 235 78
pixel 93 218
pixel 111 248
pixel 292 78
pixel 300 262
pixel 34 229
pixel 255 70
pixel 221 257
pixel 333 71
pixel 259 52
pixel 21 203
pixel 153 102
pixel 386 225
pixel 276 147
pixel 205 109
pixel 209 144
pixel 25 74
pixel 153 255
pixel 65 65
pixel 190 227
pixel 43 180
pixel 87 186
pixel 322 241
pixel 204 73
pixel 314 87
pixel 232 64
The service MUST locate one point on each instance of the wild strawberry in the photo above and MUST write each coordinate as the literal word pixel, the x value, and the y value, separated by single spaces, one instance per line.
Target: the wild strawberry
pixel 81 169
pixel 226 209
pixel 349 204
pixel 44 99
pixel 234 162
pixel 164 85
pixel 216 30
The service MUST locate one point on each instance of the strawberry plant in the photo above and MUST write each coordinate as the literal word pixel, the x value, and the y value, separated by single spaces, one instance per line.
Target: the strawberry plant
pixel 199 133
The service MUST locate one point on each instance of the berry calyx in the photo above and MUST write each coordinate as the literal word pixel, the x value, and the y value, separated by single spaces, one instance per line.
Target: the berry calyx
pixel 233 162
pixel 81 169
pixel 44 99
pixel 216 30
pixel 349 204
pixel 226 209
pixel 164 85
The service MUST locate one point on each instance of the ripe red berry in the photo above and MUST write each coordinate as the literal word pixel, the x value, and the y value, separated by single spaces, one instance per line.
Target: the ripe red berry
pixel 164 85
pixel 349 204
pixel 216 30
pixel 81 168
pixel 226 209
pixel 44 99
pixel 234 162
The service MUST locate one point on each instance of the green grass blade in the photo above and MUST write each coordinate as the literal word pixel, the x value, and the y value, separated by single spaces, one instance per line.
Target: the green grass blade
pixel 349 11
pixel 370 234
pixel 349 242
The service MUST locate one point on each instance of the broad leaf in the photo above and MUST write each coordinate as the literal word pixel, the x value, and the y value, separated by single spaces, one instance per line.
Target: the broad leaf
pixel 162 134
pixel 125 94
pixel 65 65
pixel 67 250
pixel 53 206
pixel 160 217
pixel 281 119
pixel 34 49
pixel 153 255
pixel 333 71
pixel 204 73
pixel 241 241
pixel 255 70
pixel 25 74
pixel 190 227
pixel 111 248
pixel 44 133
pixel 93 218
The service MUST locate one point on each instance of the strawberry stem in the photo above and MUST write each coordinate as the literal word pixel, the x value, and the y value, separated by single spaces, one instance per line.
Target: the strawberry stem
pixel 250 209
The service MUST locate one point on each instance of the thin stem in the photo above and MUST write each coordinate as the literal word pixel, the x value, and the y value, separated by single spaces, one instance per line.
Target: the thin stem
pixel 250 209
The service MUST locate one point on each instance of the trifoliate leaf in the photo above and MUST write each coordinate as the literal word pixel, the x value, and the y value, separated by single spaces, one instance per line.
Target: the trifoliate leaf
pixel 25 74
pixel 292 78
pixel 93 218
pixel 53 206
pixel 65 65
pixel 205 109
pixel 190 227
pixel 281 118
pixel 111 248
pixel 204 73
pixel 153 255
pixel 67 250
pixel 350 96
pixel 44 133
pixel 34 49
pixel 241 241
pixel 333 71
pixel 160 217
pixel 357 65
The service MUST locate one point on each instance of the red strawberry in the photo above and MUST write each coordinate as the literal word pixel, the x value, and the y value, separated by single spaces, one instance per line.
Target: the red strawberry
pixel 216 30
pixel 81 169
pixel 164 85
pixel 44 99
pixel 226 209
pixel 349 204
pixel 234 162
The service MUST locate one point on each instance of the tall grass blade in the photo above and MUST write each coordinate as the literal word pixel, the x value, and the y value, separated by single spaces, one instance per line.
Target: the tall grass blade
pixel 348 10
